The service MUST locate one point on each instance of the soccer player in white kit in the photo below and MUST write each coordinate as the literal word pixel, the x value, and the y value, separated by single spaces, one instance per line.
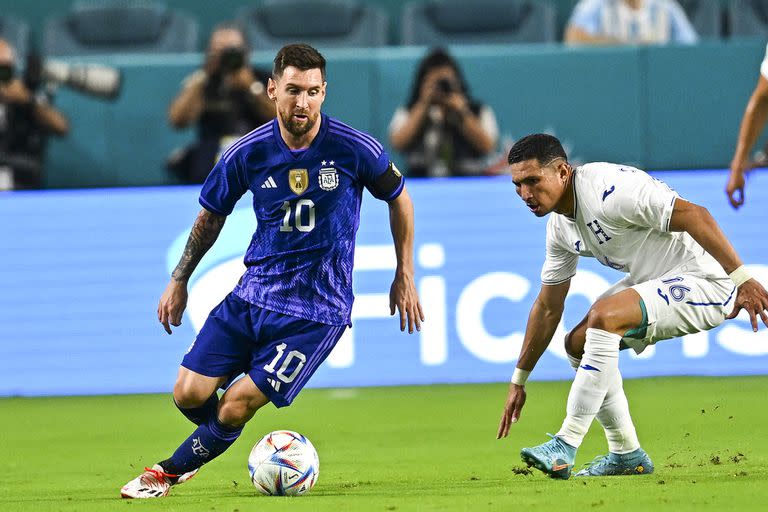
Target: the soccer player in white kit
pixel 752 123
pixel 683 276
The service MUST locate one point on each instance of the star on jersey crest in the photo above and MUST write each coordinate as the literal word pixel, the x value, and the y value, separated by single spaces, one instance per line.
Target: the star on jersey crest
pixel 329 176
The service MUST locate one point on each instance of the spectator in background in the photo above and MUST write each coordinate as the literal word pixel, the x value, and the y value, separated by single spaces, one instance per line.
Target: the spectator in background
pixel 629 22
pixel 443 131
pixel 755 116
pixel 26 120
pixel 226 98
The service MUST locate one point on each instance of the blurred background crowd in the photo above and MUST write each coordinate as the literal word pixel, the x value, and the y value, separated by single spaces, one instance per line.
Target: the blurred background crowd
pixel 121 92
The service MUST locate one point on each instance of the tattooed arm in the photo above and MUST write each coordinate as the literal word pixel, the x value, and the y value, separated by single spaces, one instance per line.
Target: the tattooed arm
pixel 204 232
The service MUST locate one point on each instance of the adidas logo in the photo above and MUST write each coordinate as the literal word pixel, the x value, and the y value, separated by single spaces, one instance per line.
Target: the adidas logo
pixel 270 183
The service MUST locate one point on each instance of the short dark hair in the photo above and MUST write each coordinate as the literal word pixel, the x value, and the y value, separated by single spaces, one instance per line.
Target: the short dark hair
pixel 540 146
pixel 300 56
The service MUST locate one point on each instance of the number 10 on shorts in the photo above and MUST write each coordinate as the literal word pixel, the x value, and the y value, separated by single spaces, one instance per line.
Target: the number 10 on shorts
pixel 287 360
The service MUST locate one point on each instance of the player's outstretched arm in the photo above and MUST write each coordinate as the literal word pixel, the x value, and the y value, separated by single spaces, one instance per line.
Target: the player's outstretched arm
pixel 402 293
pixel 752 123
pixel 542 321
pixel 699 223
pixel 204 232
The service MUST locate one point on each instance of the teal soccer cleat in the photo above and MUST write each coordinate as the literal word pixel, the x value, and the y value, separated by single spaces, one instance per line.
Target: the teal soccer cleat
pixel 634 463
pixel 555 457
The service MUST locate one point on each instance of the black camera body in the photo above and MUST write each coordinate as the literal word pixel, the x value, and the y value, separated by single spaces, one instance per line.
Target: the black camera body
pixel 6 73
pixel 445 86
pixel 231 59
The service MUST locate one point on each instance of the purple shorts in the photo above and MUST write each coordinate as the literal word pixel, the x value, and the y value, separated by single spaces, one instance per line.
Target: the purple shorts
pixel 279 352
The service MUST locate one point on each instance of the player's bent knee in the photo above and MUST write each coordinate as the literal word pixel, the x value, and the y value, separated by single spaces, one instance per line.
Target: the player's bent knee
pixel 193 389
pixel 188 395
pixel 574 346
pixel 603 317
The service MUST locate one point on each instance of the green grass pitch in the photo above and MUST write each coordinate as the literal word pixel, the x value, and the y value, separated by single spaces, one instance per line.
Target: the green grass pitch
pixel 397 449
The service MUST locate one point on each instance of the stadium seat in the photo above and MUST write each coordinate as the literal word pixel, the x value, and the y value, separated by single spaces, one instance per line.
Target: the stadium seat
pixel 748 18
pixel 117 27
pixel 16 32
pixel 442 22
pixel 706 17
pixel 322 23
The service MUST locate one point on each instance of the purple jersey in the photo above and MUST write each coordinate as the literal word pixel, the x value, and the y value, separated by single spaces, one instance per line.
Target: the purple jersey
pixel 307 205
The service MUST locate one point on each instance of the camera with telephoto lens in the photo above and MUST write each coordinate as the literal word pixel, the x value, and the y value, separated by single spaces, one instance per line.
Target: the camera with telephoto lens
pixel 231 59
pixel 90 79
pixel 96 80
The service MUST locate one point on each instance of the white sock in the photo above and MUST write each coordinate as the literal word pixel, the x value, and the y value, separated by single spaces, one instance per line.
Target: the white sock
pixel 616 421
pixel 599 368
pixel 614 416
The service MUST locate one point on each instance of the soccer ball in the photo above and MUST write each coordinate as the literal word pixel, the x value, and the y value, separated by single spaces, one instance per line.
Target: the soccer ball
pixel 283 463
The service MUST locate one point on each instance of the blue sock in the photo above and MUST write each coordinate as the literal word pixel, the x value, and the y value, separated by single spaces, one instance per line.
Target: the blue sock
pixel 200 415
pixel 207 442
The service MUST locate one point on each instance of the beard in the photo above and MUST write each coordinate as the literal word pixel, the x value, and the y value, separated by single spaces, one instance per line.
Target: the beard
pixel 298 128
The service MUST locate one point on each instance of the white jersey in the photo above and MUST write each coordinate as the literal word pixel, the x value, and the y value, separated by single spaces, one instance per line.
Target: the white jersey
pixel 622 218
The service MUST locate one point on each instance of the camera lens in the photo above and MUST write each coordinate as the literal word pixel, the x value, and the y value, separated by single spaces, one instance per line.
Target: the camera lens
pixel 444 85
pixel 232 59
pixel 6 73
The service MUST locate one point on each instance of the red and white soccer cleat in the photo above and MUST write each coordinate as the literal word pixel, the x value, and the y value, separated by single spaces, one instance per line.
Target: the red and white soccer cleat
pixel 153 483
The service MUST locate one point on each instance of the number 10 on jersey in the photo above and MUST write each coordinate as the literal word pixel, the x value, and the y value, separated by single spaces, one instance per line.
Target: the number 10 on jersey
pixel 296 216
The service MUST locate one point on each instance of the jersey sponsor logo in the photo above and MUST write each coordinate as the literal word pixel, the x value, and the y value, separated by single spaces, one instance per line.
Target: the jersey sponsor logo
pixel 298 180
pixel 328 177
pixel 608 192
pixel 269 183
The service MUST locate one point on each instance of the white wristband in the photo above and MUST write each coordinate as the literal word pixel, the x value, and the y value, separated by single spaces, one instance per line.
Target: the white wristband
pixel 740 276
pixel 520 376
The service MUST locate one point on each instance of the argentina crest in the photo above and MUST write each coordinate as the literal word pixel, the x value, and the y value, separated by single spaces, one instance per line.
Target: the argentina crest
pixel 298 180
pixel 328 177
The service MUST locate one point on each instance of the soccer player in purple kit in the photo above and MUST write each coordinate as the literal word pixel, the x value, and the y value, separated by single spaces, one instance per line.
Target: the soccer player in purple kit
pixel 307 172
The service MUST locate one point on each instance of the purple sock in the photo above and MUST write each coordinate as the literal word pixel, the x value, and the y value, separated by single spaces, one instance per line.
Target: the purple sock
pixel 207 442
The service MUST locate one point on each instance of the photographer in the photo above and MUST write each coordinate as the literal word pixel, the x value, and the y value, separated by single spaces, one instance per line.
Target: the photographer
pixel 225 98
pixel 26 119
pixel 443 131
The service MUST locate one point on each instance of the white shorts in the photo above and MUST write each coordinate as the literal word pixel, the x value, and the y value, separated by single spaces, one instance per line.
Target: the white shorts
pixel 678 304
